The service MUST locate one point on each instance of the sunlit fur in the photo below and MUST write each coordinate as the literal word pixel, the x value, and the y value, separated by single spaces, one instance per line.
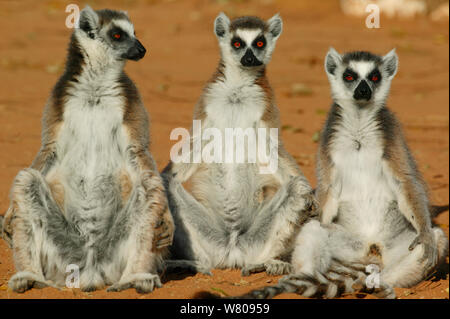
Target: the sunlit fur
pixel 373 200
pixel 92 197
pixel 233 216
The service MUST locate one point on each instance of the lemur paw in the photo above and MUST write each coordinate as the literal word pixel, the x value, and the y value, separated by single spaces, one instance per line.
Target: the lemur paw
pixel 309 208
pixel 252 269
pixel 273 267
pixel 164 231
pixel 383 291
pixel 143 283
pixel 311 205
pixel 24 280
pixel 278 267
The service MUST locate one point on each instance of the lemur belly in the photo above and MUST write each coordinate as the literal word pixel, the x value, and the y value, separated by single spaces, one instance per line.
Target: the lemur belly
pixel 361 187
pixel 90 161
pixel 233 197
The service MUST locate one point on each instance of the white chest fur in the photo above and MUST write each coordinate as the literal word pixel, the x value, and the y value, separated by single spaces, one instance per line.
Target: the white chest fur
pixel 234 102
pixel 91 141
pixel 360 181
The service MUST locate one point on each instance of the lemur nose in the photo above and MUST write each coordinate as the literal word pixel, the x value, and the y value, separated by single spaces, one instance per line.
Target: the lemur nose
pixel 140 47
pixel 135 52
pixel 363 91
pixel 249 59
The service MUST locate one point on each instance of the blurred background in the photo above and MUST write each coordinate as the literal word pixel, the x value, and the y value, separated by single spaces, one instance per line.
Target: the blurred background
pixel 182 54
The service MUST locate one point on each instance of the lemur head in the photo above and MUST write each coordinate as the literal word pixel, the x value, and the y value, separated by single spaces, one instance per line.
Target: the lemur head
pixel 108 35
pixel 360 78
pixel 247 42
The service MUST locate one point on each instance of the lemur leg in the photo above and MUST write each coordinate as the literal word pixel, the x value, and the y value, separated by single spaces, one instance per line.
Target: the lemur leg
pixel 37 229
pixel 141 225
pixel 405 268
pixel 195 230
pixel 331 256
pixel 278 222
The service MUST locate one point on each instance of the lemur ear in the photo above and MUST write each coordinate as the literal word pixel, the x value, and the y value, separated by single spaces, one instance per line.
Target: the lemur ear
pixel 88 19
pixel 390 63
pixel 221 25
pixel 332 60
pixel 275 25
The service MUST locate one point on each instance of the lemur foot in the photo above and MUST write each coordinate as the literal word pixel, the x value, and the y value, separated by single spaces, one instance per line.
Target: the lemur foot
pixel 273 267
pixel 383 291
pixel 25 280
pixel 143 283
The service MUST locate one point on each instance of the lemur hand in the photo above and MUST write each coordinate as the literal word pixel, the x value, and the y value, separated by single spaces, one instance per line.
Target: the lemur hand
pixel 164 231
pixel 430 252
pixel 5 226
pixel 311 209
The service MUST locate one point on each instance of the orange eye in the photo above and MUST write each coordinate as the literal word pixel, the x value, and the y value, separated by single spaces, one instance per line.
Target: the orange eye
pixel 237 45
pixel 374 78
pixel 260 44
pixel 349 78
pixel 116 36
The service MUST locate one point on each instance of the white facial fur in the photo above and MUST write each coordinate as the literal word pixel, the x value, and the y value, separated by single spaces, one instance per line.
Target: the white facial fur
pixel 126 26
pixel 248 36
pixel 97 44
pixel 342 93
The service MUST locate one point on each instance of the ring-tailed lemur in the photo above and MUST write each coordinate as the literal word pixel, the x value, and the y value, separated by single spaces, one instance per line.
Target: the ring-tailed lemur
pixel 374 208
pixel 93 196
pixel 234 216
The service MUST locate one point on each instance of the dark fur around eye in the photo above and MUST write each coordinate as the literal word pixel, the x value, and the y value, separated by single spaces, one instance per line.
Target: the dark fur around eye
pixel 260 39
pixel 374 76
pixel 114 31
pixel 235 45
pixel 349 76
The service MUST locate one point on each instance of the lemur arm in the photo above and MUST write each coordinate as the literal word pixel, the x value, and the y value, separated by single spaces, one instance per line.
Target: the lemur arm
pixel 45 158
pixel 51 122
pixel 410 187
pixel 411 194
pixel 136 125
pixel 327 205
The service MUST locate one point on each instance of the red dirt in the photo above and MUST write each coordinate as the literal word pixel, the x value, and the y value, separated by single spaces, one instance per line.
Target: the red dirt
pixel 182 55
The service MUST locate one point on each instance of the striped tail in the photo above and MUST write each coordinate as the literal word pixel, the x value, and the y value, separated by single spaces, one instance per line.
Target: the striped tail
pixel 302 284
pixel 339 279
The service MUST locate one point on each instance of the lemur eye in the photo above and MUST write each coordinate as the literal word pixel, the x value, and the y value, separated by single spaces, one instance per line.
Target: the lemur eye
pixel 237 44
pixel 116 36
pixel 349 78
pixel 375 78
pixel 260 44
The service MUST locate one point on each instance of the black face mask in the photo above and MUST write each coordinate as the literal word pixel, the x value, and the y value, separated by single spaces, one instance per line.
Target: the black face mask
pixel 249 59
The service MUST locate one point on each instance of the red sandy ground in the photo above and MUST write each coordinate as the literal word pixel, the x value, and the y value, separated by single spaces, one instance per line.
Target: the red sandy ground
pixel 182 55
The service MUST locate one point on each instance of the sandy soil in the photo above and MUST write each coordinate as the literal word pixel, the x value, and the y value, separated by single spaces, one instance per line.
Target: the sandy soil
pixel 182 55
